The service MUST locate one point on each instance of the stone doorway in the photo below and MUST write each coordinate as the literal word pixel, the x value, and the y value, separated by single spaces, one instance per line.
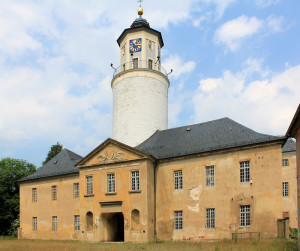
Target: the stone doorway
pixel 113 226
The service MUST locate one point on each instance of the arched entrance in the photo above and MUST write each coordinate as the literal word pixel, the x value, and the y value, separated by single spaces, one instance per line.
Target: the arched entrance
pixel 113 224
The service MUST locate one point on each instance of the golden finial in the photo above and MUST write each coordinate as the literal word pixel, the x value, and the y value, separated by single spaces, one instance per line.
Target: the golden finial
pixel 140 9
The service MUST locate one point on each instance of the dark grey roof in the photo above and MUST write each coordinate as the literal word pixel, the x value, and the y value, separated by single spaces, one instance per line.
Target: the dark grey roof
pixel 141 24
pixel 63 163
pixel 289 146
pixel 204 137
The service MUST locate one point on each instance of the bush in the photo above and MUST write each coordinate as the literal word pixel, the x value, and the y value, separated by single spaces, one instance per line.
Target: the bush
pixel 13 230
pixel 293 233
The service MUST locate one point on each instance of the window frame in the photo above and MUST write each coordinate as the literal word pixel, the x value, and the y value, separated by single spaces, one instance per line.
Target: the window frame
pixel 135 63
pixel 178 180
pixel 285 189
pixel 245 171
pixel 54 192
pixel 210 218
pixel 34 194
pixel 89 180
pixel 54 223
pixel 150 64
pixel 76 222
pixel 135 180
pixel 76 190
pixel 111 183
pixel 285 162
pixel 34 224
pixel 210 175
pixel 178 220
pixel 245 215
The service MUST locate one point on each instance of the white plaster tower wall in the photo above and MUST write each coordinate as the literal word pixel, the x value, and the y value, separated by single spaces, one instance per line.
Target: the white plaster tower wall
pixel 140 85
pixel 140 106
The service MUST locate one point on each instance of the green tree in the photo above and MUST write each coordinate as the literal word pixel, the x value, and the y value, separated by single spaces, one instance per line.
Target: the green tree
pixel 55 149
pixel 11 170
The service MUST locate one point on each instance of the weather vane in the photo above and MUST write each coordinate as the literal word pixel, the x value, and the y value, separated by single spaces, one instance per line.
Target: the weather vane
pixel 140 1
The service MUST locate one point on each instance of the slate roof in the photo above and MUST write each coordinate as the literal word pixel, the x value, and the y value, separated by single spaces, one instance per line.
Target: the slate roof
pixel 63 163
pixel 289 146
pixel 204 137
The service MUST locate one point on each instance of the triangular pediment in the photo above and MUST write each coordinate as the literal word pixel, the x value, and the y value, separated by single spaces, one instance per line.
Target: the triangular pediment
pixel 111 151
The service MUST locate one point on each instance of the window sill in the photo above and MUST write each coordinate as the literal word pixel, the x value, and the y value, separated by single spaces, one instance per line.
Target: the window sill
pixel 111 193
pixel 135 191
pixel 89 195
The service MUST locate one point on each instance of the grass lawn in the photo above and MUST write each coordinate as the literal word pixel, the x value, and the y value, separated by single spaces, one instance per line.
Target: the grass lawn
pixel 47 245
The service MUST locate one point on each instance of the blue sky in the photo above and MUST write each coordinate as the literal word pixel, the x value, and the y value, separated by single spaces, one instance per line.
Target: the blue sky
pixel 231 58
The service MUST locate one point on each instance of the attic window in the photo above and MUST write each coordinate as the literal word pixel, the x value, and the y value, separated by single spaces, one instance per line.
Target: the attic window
pixel 188 128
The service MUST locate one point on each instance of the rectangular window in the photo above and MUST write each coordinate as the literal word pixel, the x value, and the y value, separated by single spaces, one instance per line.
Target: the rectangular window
pixel 54 195
pixel 210 176
pixel 150 63
pixel 178 179
pixel 245 216
pixel 135 63
pixel 135 180
pixel 76 222
pixel 54 223
pixel 285 189
pixel 285 162
pixel 111 183
pixel 34 195
pixel 76 190
pixel 89 185
pixel 245 171
pixel 210 218
pixel 34 224
pixel 178 219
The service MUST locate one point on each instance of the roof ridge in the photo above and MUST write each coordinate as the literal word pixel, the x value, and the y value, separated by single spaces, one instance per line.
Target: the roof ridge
pixel 195 124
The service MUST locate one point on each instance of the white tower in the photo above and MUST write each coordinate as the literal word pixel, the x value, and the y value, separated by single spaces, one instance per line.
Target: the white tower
pixel 140 85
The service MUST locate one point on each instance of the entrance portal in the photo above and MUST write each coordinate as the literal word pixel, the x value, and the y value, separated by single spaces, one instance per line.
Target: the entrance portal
pixel 114 223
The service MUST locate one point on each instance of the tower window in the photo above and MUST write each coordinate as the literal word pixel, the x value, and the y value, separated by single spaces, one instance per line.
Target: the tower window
pixel 135 63
pixel 150 46
pixel 150 63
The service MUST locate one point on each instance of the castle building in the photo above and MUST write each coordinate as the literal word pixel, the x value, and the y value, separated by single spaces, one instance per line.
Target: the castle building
pixel 203 181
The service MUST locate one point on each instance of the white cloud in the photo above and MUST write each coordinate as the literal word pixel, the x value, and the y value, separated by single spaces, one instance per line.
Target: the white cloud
pixel 179 67
pixel 265 105
pixel 221 6
pixel 265 3
pixel 234 31
pixel 274 24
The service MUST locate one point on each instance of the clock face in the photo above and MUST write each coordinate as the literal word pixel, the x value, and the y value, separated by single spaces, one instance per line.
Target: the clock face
pixel 135 45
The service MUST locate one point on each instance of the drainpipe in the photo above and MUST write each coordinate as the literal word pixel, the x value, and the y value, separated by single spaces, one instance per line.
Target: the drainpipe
pixel 155 166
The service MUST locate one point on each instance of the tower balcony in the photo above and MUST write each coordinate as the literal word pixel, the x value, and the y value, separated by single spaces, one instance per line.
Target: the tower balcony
pixel 140 65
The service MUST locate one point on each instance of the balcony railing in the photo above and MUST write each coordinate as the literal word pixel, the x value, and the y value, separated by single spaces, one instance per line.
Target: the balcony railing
pixel 140 64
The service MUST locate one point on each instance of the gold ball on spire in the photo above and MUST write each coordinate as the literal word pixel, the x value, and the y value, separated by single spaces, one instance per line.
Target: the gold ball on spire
pixel 140 11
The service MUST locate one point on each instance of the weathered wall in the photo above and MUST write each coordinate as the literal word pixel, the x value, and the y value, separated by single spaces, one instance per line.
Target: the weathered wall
pixel 226 196
pixel 289 174
pixel 141 200
pixel 65 207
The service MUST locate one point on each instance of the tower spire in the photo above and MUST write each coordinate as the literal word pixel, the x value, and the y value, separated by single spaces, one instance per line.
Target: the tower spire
pixel 140 9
